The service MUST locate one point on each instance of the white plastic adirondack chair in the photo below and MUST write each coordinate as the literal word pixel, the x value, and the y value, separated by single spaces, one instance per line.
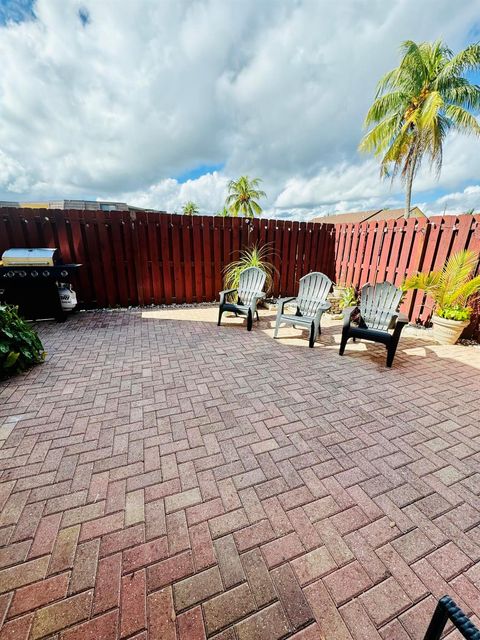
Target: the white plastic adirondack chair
pixel 311 303
pixel 250 291
pixel 376 315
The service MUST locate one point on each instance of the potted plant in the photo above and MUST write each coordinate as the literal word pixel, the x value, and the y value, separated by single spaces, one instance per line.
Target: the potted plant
pixel 255 256
pixel 451 289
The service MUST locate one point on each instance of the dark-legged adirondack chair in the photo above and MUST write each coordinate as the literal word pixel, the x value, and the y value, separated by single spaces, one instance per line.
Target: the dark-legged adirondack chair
pixel 249 292
pixel 311 303
pixel 375 318
pixel 447 610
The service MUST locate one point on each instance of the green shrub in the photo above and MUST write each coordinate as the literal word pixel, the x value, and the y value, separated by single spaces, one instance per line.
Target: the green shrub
pixel 455 313
pixel 20 346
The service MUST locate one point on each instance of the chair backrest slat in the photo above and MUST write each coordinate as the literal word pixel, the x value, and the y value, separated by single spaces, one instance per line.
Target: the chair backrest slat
pixel 251 282
pixel 312 292
pixel 378 303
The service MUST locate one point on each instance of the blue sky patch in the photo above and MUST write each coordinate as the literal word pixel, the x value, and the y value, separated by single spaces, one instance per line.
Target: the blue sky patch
pixel 201 170
pixel 16 11
pixel 84 16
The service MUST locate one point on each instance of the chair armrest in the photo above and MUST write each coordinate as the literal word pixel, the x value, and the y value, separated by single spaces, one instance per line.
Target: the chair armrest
pixel 223 294
pixel 259 295
pixel 282 302
pixel 324 306
pixel 347 315
pixel 400 322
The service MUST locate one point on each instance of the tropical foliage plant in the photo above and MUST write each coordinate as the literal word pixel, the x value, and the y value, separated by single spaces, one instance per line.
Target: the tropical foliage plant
pixel 255 256
pixel 20 346
pixel 190 208
pixel 417 104
pixel 223 213
pixel 348 298
pixel 452 287
pixel 242 197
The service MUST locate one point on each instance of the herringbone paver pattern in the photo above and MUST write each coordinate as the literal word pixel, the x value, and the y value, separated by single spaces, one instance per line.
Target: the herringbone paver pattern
pixel 170 479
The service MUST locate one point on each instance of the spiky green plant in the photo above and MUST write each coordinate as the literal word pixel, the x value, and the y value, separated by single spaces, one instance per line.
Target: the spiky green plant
pixel 348 298
pixel 223 213
pixel 243 196
pixel 190 208
pixel 417 104
pixel 452 287
pixel 254 256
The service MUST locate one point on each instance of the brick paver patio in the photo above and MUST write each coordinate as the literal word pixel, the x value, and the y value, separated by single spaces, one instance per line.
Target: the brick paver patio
pixel 163 478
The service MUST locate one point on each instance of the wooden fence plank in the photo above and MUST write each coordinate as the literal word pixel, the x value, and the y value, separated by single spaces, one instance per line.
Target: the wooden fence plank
pixel 153 232
pixel 174 262
pixel 217 256
pixel 188 258
pixel 197 258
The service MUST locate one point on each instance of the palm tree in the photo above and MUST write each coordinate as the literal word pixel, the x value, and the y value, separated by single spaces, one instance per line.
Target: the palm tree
pixel 223 213
pixel 190 208
pixel 416 105
pixel 243 196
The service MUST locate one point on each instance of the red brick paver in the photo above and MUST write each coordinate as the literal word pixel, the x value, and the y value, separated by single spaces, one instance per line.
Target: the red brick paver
pixel 165 478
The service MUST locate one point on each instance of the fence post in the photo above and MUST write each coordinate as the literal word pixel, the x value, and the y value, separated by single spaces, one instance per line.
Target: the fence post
pixel 137 265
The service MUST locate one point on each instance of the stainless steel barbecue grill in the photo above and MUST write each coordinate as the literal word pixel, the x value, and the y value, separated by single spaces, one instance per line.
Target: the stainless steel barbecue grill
pixel 33 279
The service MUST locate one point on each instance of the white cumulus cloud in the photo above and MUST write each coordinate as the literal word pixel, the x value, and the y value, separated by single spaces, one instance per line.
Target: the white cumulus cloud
pixel 116 99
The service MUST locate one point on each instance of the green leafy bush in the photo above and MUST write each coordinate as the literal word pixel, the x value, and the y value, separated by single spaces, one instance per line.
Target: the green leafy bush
pixel 20 346
pixel 455 313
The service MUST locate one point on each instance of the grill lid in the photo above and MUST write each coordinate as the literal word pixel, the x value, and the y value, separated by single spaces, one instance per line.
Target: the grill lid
pixel 32 257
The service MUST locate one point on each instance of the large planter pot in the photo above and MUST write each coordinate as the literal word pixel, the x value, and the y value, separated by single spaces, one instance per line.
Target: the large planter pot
pixel 448 331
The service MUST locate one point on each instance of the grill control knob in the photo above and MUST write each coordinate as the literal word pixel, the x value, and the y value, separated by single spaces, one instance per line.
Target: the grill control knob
pixel 22 274
pixel 64 273
pixel 45 273
pixel 34 274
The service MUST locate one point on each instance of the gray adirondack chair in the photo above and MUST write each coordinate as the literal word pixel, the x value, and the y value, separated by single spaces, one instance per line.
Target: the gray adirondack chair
pixel 311 303
pixel 250 291
pixel 375 318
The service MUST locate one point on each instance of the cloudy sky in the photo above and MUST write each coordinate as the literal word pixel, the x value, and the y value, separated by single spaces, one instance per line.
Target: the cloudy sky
pixel 156 102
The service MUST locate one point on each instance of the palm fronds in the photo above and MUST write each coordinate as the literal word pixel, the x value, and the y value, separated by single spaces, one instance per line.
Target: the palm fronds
pixel 243 196
pixel 453 286
pixel 255 256
pixel 190 208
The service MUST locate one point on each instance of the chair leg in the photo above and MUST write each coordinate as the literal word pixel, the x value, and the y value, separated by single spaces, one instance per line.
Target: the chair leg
pixel 391 350
pixel 258 317
pixel 220 311
pixel 311 340
pixel 343 343
pixel 277 326
pixel 249 320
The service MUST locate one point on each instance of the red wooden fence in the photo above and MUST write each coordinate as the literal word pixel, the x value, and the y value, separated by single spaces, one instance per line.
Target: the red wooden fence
pixel 143 258
pixel 393 249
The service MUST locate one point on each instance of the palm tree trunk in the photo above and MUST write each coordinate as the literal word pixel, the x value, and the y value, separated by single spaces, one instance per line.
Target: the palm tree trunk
pixel 408 187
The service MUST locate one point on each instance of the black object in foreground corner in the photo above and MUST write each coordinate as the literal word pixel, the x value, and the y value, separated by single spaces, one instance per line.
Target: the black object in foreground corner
pixel 447 610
